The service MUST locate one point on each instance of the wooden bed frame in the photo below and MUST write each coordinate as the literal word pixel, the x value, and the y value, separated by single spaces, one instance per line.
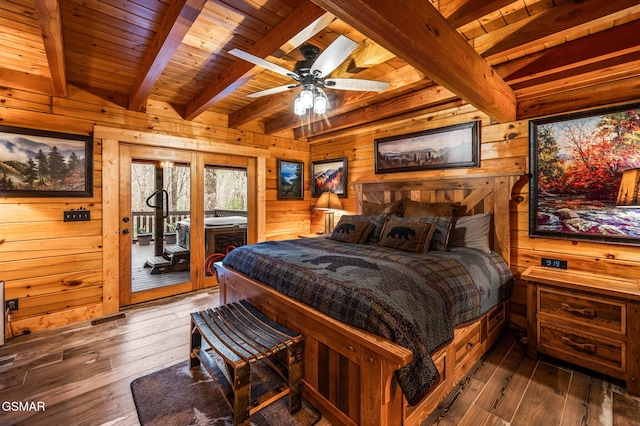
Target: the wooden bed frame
pixel 349 373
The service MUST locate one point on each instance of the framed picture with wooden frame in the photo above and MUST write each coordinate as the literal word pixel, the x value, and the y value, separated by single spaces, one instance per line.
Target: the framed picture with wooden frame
pixel 329 176
pixel 585 175
pixel 290 180
pixel 447 147
pixel 37 163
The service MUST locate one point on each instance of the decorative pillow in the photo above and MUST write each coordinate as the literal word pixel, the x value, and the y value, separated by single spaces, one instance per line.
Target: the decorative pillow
pixel 472 232
pixel 412 208
pixel 350 230
pixel 374 209
pixel 378 224
pixel 407 235
pixel 443 225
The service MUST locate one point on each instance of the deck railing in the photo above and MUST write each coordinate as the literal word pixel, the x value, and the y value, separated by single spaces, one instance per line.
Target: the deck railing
pixel 145 221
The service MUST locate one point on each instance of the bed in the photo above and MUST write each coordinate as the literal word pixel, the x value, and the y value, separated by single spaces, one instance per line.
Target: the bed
pixel 356 375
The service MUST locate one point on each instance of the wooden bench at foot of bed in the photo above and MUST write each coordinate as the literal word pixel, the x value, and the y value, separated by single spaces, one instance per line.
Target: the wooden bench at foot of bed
pixel 349 373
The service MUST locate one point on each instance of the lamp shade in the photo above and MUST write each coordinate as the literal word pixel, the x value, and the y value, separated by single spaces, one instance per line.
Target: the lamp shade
pixel 328 201
pixel 628 192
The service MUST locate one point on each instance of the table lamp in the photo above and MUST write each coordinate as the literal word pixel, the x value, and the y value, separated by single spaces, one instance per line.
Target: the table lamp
pixel 328 201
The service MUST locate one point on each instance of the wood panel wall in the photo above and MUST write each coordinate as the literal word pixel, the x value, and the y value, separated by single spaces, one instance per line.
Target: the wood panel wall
pixel 55 269
pixel 504 147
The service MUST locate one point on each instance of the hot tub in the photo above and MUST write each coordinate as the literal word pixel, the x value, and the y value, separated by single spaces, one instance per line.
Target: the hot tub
pixel 219 233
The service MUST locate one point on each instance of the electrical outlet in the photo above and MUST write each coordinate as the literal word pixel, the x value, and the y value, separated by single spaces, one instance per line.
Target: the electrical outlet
pixel 77 215
pixel 11 305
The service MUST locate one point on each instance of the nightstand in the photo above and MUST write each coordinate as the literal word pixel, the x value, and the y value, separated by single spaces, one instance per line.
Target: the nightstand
pixel 589 319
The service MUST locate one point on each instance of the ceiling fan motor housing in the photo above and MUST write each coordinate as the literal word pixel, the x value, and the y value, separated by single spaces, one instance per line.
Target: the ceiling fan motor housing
pixel 310 52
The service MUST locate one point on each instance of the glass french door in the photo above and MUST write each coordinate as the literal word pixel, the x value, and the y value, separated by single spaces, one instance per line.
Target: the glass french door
pixel 156 239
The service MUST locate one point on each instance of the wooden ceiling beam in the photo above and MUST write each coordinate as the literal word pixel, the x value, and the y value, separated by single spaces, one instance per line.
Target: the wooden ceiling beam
pixel 48 12
pixel 550 24
pixel 417 100
pixel 25 81
pixel 395 122
pixel 239 72
pixel 366 55
pixel 176 23
pixel 610 92
pixel 601 46
pixel 587 75
pixel 262 107
pixel 421 36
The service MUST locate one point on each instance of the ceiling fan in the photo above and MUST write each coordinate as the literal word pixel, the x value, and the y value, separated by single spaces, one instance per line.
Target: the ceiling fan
pixel 312 72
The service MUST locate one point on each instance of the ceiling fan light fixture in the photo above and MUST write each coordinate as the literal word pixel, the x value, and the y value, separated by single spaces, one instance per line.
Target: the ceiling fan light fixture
pixel 297 106
pixel 306 98
pixel 320 103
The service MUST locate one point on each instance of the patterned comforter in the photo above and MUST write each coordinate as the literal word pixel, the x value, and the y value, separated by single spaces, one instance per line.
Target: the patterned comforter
pixel 412 299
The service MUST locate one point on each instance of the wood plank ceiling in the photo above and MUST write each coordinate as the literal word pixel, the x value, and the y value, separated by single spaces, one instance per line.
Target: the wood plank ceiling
pixel 510 59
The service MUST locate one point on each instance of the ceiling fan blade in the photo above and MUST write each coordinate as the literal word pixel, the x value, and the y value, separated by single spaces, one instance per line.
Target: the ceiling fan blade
pixel 333 56
pixel 312 29
pixel 272 91
pixel 356 84
pixel 262 63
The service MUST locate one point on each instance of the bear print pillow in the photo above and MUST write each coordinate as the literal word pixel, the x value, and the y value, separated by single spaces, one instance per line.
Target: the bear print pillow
pixel 352 230
pixel 407 236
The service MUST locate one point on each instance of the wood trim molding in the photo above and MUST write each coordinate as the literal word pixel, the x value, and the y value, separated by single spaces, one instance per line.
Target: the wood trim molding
pixel 112 139
pixel 176 142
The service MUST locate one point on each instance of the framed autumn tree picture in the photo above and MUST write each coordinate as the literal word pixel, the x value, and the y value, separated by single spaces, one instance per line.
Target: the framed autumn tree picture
pixel 577 166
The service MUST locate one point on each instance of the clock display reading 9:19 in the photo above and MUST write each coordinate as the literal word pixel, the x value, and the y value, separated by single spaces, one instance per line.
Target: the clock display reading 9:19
pixel 553 263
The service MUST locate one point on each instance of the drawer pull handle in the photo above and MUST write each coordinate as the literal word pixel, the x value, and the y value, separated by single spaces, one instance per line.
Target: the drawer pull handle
pixel 585 312
pixel 586 347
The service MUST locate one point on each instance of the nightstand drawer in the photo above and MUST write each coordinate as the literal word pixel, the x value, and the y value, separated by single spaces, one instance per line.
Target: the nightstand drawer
pixel 592 349
pixel 466 339
pixel 592 311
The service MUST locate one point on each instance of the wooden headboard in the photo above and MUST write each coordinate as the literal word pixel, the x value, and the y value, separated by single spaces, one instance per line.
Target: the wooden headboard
pixel 476 193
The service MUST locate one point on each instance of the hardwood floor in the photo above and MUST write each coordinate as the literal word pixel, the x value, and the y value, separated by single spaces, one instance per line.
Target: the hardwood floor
pixel 507 388
pixel 82 374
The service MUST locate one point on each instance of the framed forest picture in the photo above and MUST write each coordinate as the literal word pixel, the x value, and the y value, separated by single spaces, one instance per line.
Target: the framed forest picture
pixel 577 166
pixel 290 180
pixel 36 163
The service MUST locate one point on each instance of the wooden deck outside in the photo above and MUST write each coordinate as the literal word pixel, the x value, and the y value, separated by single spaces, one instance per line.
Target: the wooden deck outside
pixel 141 278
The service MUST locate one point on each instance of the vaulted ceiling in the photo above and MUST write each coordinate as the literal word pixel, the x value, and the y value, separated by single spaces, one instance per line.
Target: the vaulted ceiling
pixel 510 59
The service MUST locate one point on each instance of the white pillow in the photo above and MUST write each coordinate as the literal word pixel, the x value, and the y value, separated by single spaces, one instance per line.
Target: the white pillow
pixel 472 232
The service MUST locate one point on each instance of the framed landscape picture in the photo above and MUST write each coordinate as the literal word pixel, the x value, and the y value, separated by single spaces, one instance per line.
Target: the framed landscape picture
pixel 329 176
pixel 290 180
pixel 35 163
pixel 446 147
pixel 577 166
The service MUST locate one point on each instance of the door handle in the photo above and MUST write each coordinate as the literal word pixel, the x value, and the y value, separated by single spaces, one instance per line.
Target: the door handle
pixel 125 231
pixel 164 201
